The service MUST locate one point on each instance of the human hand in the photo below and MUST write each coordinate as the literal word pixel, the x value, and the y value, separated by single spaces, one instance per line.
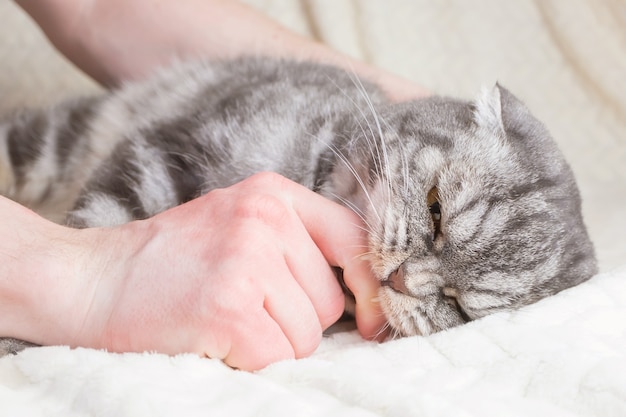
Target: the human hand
pixel 242 274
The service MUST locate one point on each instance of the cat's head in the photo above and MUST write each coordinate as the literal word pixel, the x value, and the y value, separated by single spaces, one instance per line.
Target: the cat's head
pixel 472 210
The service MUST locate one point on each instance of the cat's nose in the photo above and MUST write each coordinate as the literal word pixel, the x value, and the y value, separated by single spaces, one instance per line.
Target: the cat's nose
pixel 395 281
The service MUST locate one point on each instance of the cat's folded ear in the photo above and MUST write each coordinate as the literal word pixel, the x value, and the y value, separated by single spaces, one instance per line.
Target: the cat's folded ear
pixel 496 108
pixel 488 110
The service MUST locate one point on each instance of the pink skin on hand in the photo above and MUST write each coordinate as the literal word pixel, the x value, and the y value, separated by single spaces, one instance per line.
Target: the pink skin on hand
pixel 242 274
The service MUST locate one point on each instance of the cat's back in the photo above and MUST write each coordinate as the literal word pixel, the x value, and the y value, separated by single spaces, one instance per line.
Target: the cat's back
pixel 249 115
pixel 246 115
pixel 241 87
pixel 199 126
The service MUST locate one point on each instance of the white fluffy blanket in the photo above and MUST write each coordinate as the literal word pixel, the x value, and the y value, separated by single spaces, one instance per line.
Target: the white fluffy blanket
pixel 564 356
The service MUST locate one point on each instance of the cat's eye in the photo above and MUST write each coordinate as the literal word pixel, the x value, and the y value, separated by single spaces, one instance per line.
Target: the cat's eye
pixel 432 199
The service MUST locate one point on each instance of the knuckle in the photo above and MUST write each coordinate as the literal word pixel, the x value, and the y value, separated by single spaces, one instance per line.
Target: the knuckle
pixel 270 180
pixel 239 295
pixel 333 310
pixel 308 342
pixel 262 207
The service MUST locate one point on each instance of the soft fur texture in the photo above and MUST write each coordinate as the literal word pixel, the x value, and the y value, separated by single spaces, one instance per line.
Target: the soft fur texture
pixel 562 356
pixel 503 230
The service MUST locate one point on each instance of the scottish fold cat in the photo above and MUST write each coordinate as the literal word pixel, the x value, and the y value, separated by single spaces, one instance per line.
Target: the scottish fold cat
pixel 469 206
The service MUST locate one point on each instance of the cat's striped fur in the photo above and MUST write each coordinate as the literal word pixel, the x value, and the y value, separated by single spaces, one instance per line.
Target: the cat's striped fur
pixel 470 207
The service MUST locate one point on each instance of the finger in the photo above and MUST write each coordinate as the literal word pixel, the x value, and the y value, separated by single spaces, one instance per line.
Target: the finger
pixel 315 276
pixel 258 345
pixel 266 205
pixel 319 282
pixel 338 233
pixel 288 304
pixel 282 296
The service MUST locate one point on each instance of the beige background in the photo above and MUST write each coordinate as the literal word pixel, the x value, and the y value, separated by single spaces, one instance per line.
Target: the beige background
pixel 565 58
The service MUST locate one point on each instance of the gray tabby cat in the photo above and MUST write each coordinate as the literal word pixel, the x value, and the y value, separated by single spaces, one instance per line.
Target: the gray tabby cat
pixel 470 207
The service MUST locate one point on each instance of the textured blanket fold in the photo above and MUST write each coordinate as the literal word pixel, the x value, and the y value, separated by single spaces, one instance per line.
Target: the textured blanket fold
pixel 564 356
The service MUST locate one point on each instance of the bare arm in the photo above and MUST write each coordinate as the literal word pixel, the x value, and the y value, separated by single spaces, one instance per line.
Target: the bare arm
pixel 124 289
pixel 40 267
pixel 116 40
pixel 116 288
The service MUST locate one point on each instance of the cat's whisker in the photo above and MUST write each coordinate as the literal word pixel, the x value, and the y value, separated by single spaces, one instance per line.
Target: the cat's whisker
pixel 383 146
pixel 382 330
pixel 350 205
pixel 371 146
pixel 380 159
pixel 368 253
pixel 366 228
pixel 378 163
pixel 364 255
pixel 405 173
pixel 395 334
pixel 354 103
pixel 398 143
pixel 353 171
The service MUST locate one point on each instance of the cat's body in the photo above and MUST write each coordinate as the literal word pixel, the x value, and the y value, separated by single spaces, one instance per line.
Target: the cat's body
pixel 470 206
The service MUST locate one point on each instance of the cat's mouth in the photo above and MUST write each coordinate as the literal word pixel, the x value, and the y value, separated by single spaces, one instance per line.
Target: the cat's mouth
pixel 397 283
pixel 344 287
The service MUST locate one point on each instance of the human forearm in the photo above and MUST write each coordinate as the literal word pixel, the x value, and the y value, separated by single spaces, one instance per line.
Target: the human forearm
pixel 40 263
pixel 117 40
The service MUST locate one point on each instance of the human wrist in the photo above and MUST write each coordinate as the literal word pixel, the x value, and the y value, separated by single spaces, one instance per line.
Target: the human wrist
pixel 42 286
pixel 26 261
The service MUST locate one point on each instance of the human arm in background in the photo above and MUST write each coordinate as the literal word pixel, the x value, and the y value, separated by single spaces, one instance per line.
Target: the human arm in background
pixel 120 40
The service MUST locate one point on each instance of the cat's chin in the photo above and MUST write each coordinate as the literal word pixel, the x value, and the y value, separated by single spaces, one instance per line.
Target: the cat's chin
pixel 402 312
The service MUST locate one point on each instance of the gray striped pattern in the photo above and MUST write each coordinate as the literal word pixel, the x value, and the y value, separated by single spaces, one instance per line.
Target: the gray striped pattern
pixel 511 229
